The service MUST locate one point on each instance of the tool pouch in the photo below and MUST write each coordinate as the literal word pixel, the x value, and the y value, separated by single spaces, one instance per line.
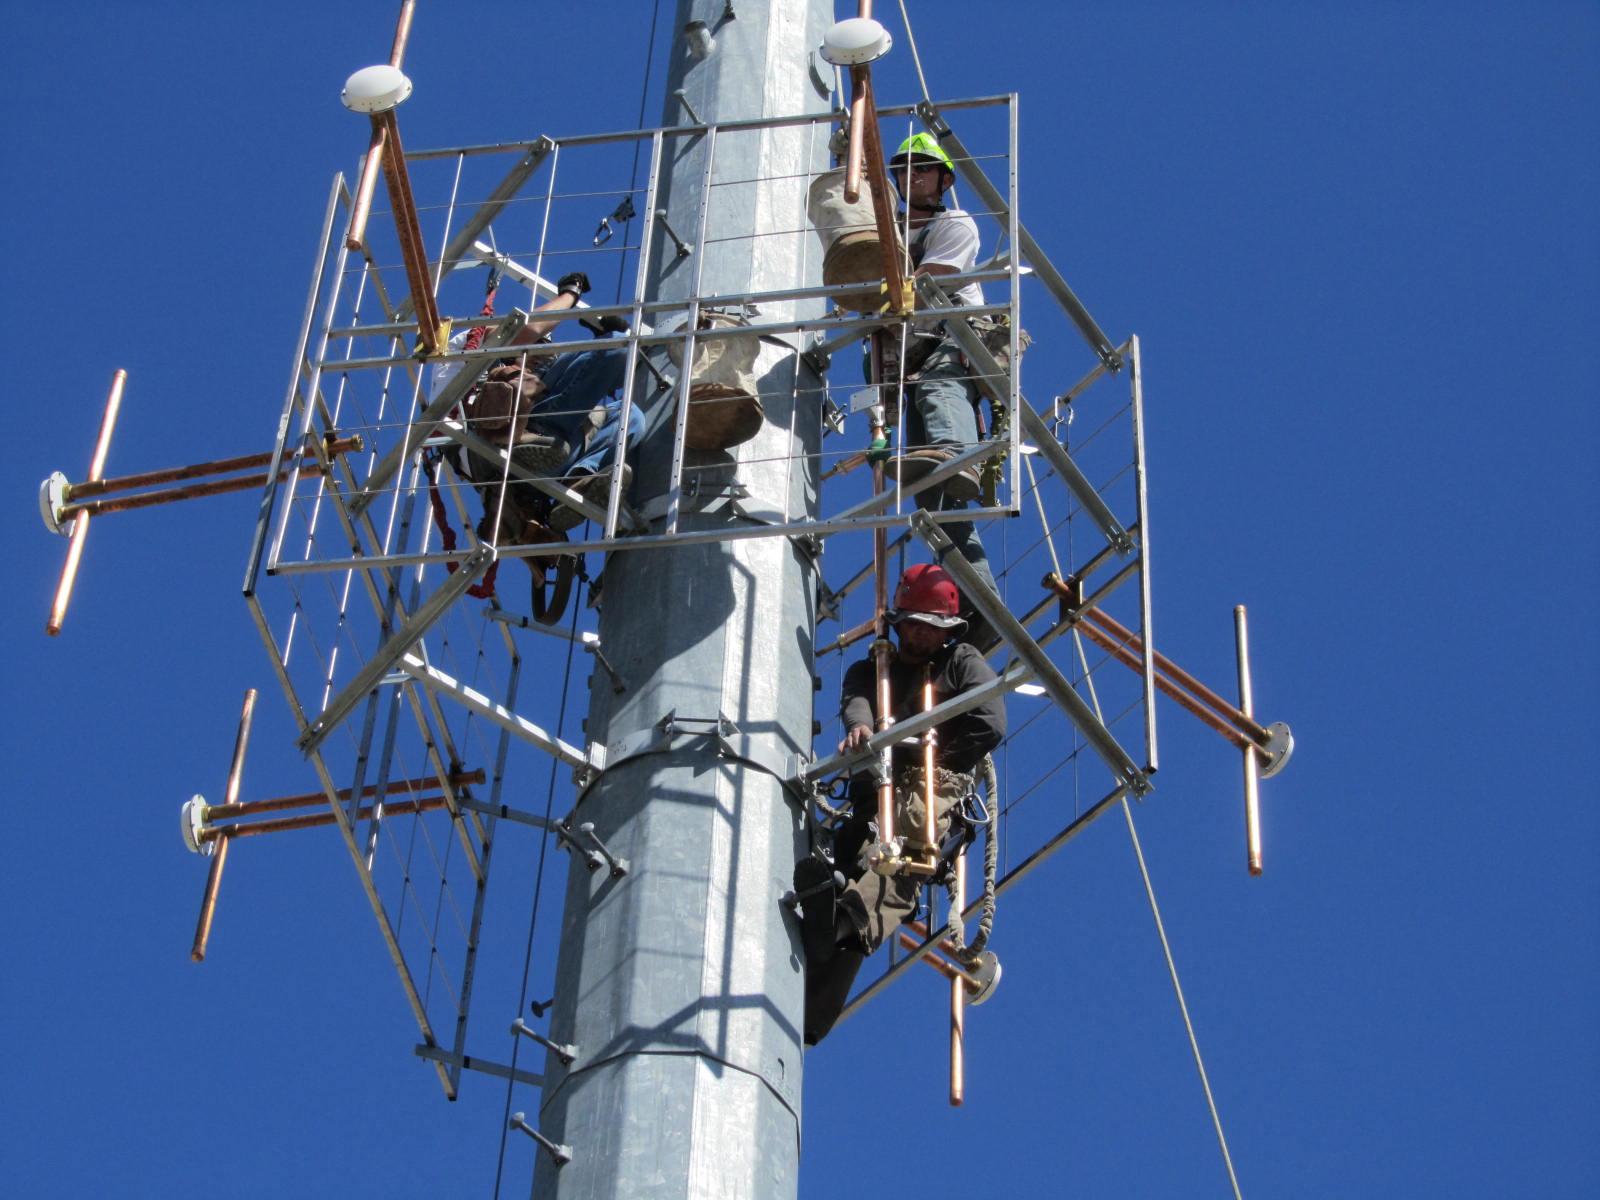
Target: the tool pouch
pixel 995 333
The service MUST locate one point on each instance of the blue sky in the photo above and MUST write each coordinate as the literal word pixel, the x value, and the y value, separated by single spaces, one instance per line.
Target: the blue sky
pixel 1359 247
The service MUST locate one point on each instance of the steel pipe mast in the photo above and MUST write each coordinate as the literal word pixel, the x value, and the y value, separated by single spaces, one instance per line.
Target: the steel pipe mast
pixel 681 983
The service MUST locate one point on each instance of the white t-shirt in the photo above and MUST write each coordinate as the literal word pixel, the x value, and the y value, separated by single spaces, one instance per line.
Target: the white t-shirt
pixel 951 240
pixel 442 373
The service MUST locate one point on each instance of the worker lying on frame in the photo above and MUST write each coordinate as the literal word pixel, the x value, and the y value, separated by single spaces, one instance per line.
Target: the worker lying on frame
pixel 559 415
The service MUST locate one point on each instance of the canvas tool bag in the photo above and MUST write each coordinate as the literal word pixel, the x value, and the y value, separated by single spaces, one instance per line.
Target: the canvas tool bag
pixel 851 249
pixel 723 407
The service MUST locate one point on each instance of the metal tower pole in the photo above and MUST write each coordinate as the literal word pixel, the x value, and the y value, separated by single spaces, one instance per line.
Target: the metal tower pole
pixel 681 982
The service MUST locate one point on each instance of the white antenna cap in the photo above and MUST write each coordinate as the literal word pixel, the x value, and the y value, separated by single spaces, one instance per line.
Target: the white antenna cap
pixel 856 41
pixel 375 89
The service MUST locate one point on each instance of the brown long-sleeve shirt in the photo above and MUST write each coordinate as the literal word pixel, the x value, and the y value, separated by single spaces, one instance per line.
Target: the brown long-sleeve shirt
pixel 963 740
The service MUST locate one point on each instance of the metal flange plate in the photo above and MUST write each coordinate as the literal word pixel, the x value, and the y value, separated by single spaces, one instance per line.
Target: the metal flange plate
pixel 985 977
pixel 193 819
pixel 1279 748
pixel 52 499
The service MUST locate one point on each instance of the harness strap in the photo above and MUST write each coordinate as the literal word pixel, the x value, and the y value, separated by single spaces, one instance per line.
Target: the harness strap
pixel 484 588
pixel 548 612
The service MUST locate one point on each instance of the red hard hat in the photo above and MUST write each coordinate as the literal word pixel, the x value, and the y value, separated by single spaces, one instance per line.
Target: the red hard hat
pixel 927 593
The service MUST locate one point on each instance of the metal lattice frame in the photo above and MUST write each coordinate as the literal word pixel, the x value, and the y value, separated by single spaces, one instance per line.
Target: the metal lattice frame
pixel 391 673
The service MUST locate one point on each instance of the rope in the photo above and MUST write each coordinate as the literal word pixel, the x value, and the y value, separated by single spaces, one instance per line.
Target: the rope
pixel 1172 968
pixel 1166 949
pixel 915 57
pixel 1044 521
pixel 483 589
pixel 475 335
pixel 969 953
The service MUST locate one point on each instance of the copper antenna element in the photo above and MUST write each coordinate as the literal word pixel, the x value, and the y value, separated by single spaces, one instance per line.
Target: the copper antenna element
pixel 380 90
pixel 930 791
pixel 216 487
pixel 1252 798
pixel 409 231
pixel 226 833
pixel 203 837
pixel 219 857
pixel 362 207
pixel 859 87
pixel 1273 744
pixel 80 529
pixel 958 995
pixel 881 648
pixel 894 276
pixel 67 507
pixel 865 151
pixel 858 123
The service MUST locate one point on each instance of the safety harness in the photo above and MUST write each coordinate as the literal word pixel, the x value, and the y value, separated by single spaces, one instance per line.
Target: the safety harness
pixel 552 582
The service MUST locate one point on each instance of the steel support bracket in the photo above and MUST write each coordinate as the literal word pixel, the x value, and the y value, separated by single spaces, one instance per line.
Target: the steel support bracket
pixel 567 1055
pixel 598 855
pixel 559 1154
pixel 472 1063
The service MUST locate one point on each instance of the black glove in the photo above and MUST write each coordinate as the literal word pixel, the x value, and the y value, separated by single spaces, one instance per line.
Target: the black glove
pixel 605 326
pixel 575 284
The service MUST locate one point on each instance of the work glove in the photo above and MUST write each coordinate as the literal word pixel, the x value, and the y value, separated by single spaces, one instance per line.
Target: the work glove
pixel 605 326
pixel 575 284
pixel 881 448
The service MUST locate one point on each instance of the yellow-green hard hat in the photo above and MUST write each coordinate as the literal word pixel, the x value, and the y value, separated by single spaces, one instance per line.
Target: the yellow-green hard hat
pixel 925 145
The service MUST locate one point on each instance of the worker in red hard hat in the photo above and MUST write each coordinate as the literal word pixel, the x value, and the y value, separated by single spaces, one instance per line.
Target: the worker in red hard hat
pixel 844 923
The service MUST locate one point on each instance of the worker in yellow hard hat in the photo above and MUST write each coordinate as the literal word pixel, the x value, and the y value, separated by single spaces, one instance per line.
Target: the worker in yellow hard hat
pixel 942 414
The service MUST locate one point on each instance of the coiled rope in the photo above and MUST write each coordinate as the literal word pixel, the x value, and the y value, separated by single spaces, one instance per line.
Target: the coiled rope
pixel 970 952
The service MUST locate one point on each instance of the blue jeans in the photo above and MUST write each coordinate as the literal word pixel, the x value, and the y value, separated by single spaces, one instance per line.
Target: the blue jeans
pixel 574 384
pixel 944 402
pixel 944 412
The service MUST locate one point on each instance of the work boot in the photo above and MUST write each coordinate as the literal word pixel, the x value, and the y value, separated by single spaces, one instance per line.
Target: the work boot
pixel 827 989
pixel 914 464
pixel 594 487
pixel 816 888
pixel 535 453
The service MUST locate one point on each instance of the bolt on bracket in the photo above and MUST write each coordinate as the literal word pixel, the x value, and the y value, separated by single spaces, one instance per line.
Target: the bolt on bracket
pixel 598 855
pixel 684 249
pixel 559 1154
pixel 566 1053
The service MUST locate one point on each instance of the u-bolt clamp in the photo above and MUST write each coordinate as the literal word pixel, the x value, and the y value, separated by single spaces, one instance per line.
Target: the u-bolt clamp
pixel 887 858
pixel 566 1053
pixel 559 1154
